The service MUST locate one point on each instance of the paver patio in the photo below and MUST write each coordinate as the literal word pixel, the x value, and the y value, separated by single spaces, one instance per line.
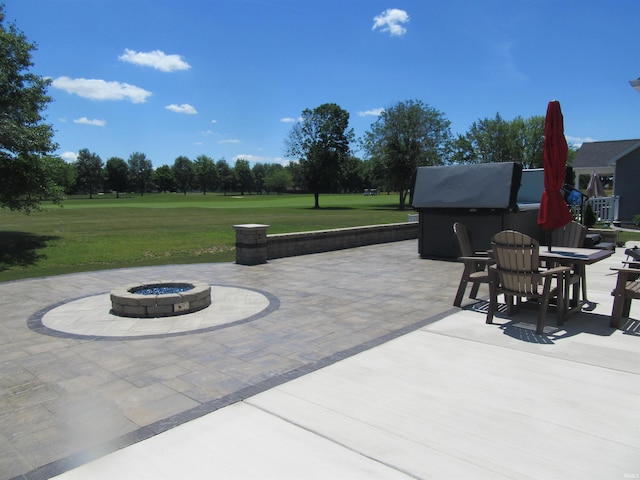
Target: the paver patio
pixel 425 391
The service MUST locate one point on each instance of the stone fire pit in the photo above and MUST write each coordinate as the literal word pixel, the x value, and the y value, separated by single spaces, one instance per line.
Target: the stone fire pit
pixel 160 299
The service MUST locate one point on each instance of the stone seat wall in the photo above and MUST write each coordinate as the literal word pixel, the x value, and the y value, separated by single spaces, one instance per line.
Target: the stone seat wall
pixel 254 246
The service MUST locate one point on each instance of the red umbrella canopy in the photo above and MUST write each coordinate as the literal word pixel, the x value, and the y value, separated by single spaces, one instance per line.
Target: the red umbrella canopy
pixel 554 212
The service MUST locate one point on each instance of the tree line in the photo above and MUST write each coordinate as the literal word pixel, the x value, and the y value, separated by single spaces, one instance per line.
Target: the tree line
pixel 321 148
pixel 90 175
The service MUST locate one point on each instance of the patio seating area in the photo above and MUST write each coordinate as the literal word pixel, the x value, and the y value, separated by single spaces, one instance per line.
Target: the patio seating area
pixel 359 369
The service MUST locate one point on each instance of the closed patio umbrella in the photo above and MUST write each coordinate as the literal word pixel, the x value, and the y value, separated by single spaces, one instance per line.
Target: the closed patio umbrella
pixel 595 188
pixel 554 212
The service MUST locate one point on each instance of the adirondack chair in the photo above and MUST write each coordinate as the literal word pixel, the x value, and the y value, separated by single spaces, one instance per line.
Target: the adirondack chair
pixel 572 235
pixel 517 274
pixel 627 288
pixel 475 265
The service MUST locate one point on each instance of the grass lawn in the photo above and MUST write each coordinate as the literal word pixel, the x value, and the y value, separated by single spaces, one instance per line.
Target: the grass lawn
pixel 156 229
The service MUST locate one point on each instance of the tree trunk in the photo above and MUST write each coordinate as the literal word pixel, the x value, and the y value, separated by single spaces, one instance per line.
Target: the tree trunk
pixel 316 197
pixel 403 199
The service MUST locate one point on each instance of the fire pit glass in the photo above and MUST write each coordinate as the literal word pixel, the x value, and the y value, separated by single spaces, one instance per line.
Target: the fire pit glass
pixel 161 289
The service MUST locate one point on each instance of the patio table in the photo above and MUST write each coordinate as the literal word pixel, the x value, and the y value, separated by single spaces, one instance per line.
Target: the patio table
pixel 579 258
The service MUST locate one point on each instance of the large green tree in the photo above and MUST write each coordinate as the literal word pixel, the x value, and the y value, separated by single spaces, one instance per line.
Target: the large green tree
pixel 206 173
pixel 62 173
pixel 226 175
pixel 89 171
pixel 498 140
pixel 278 179
pixel 259 171
pixel 244 176
pixel 117 175
pixel 184 173
pixel 140 171
pixel 405 136
pixel 164 179
pixel 25 140
pixel 320 143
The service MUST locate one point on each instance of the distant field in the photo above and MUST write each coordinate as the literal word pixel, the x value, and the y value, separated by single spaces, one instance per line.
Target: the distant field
pixel 157 229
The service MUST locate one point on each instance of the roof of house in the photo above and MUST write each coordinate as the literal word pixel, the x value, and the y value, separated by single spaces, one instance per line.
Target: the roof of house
pixel 602 154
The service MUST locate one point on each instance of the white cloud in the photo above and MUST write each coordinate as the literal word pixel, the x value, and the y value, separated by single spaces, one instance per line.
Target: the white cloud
pixel 230 140
pixel 290 120
pixel 69 156
pixel 95 89
pixel 375 112
pixel 390 22
pixel 184 108
pixel 86 121
pixel 156 59
pixel 214 121
pixel 578 141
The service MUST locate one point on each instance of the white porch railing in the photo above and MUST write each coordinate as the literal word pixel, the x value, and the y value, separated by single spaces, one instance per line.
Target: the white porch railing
pixel 605 208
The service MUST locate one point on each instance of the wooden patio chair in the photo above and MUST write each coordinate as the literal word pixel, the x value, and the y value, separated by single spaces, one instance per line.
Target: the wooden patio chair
pixel 475 265
pixel 517 274
pixel 573 234
pixel 627 288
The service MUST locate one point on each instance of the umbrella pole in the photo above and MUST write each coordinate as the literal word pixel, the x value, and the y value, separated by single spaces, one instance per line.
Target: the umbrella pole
pixel 549 240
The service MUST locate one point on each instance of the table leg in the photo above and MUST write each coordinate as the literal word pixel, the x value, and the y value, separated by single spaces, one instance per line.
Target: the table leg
pixel 583 282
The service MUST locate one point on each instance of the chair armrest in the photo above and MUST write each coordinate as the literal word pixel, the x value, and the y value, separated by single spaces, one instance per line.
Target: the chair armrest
pixel 632 264
pixel 485 260
pixel 630 268
pixel 626 274
pixel 555 271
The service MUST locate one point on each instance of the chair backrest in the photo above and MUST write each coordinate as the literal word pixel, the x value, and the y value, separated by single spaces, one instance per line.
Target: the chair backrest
pixel 572 234
pixel 464 242
pixel 517 262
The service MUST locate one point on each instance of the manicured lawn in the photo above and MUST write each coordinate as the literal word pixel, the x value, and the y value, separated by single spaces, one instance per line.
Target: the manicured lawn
pixel 156 229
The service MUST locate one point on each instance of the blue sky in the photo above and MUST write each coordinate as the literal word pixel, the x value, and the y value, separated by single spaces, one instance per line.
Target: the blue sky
pixel 226 78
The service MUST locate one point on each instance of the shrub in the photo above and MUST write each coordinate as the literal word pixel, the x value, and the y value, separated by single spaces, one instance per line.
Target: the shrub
pixel 589 216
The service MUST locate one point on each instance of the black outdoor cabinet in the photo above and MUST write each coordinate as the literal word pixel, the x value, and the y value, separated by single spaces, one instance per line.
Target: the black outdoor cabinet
pixel 484 197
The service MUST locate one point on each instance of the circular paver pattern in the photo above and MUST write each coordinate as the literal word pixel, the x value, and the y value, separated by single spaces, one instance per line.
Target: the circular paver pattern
pixel 91 317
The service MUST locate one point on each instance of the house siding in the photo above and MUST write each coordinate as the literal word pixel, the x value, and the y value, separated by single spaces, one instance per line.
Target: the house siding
pixel 627 178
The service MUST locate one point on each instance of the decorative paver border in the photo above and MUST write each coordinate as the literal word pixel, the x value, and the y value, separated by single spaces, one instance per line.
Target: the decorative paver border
pixel 96 322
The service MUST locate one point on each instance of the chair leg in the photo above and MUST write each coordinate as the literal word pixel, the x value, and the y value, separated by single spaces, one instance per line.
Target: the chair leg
pixel 542 317
pixel 563 296
pixel 616 313
pixel 474 290
pixel 493 300
pixel 511 310
pixel 619 301
pixel 545 302
pixel 462 287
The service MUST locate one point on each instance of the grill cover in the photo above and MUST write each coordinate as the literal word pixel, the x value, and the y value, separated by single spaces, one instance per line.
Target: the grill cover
pixel 478 186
